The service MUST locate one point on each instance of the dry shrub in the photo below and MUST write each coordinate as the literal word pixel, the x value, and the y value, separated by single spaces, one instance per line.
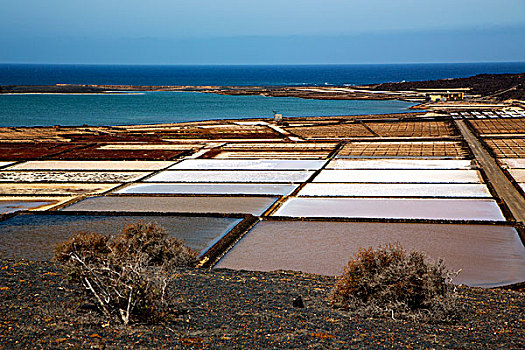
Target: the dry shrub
pixel 151 242
pixel 126 274
pixel 391 281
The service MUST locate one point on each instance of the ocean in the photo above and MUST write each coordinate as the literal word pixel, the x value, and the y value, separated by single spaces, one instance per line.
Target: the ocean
pixel 167 107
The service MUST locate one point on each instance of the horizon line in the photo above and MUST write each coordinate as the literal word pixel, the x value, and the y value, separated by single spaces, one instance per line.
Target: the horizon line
pixel 254 64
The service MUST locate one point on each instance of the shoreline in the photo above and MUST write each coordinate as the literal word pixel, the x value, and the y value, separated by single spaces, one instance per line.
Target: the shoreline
pixel 485 91
pixel 326 93
pixel 408 114
pixel 495 86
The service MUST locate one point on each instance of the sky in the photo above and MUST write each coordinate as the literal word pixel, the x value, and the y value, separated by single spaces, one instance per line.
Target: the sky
pixel 261 32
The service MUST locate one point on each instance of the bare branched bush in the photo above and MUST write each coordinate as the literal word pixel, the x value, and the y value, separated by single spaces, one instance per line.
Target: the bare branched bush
pixel 151 242
pixel 126 274
pixel 391 281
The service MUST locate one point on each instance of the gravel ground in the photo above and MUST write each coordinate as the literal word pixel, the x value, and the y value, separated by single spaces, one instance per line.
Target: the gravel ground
pixel 240 309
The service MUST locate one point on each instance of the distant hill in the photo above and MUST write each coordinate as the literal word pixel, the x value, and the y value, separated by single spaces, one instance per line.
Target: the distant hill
pixel 501 86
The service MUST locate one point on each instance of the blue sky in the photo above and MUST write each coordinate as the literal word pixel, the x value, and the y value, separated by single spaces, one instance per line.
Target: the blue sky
pixel 261 32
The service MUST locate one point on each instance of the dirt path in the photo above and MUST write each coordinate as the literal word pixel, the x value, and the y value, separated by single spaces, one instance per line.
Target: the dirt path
pixel 502 185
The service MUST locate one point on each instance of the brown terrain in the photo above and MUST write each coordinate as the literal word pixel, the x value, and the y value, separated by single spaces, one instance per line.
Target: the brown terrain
pixel 499 86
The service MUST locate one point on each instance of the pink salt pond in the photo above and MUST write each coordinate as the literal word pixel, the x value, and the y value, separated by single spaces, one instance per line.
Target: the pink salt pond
pixel 392 208
pixel 488 255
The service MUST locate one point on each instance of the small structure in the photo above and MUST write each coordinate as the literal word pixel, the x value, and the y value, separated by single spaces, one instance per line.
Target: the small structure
pixel 451 94
pixel 277 117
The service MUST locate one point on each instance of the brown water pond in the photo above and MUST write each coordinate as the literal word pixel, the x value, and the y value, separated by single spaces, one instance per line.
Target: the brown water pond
pixel 226 205
pixel 488 255
pixel 34 236
pixel 11 206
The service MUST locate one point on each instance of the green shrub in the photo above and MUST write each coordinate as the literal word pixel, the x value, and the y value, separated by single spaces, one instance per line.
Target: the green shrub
pixel 126 274
pixel 391 281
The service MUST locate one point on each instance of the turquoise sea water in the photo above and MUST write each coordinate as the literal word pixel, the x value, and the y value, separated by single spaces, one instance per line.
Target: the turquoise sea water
pixel 170 107
pixel 164 107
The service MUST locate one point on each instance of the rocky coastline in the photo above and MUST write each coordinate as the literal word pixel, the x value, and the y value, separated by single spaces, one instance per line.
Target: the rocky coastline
pixel 496 87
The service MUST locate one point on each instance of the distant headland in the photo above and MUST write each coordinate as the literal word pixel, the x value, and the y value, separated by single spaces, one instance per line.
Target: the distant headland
pixel 491 87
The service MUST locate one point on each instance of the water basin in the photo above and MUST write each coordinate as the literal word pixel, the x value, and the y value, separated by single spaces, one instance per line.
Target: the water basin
pixel 393 208
pixel 34 236
pixel 488 255
pixel 225 205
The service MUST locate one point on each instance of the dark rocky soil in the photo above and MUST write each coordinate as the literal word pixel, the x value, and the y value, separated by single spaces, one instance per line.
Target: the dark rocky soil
pixel 239 309
pixel 482 84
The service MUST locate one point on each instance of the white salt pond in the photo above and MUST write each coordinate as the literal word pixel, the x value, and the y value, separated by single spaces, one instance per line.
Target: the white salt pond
pixel 400 176
pixel 400 164
pixel 488 255
pixel 393 208
pixel 518 174
pixel 141 147
pixel 395 190
pixel 282 145
pixel 54 188
pixel 515 163
pixel 231 176
pixel 272 155
pixel 4 164
pixel 245 164
pixel 210 188
pixel 69 176
pixel 91 165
